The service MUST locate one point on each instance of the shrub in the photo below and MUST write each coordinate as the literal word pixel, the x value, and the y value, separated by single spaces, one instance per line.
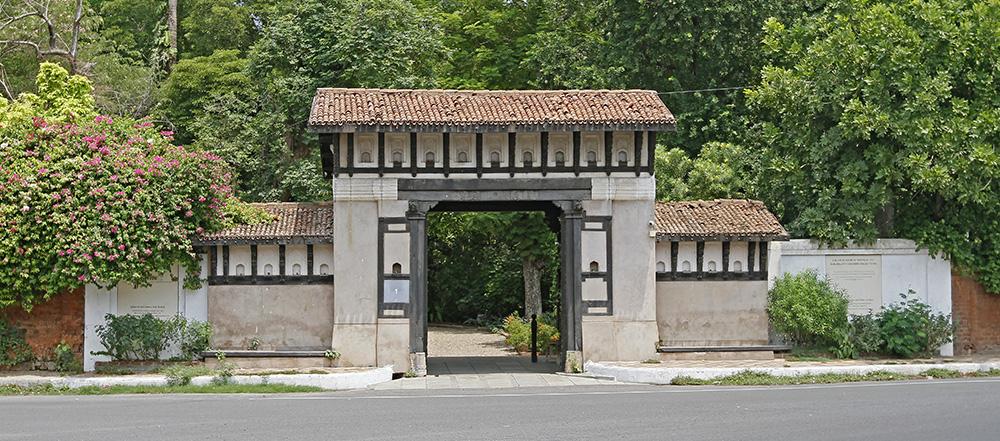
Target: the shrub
pixel 518 332
pixel 195 337
pixel 808 310
pixel 135 337
pixel 909 328
pixel 181 375
pixel 865 334
pixel 65 359
pixel 14 349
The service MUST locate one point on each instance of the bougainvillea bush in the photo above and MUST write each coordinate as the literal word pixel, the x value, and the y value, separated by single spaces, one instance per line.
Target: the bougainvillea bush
pixel 87 198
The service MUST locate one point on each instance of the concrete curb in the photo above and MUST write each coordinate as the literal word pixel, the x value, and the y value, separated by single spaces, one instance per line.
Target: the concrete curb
pixel 337 381
pixel 655 375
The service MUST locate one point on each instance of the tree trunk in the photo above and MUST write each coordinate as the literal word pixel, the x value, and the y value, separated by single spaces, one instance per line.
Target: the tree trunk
pixel 531 269
pixel 172 31
pixel 885 218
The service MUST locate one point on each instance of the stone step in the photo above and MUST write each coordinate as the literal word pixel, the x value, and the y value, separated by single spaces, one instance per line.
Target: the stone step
pixel 758 352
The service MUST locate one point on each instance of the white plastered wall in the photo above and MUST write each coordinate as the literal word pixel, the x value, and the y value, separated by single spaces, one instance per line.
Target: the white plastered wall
pixel 98 302
pixel 903 267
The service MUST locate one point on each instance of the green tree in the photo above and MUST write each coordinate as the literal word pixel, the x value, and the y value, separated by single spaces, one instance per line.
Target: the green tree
pixel 688 45
pixel 882 118
pixel 536 245
pixel 721 170
pixel 195 82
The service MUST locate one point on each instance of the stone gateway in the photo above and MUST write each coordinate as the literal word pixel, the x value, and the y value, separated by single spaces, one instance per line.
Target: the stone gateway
pixel 636 277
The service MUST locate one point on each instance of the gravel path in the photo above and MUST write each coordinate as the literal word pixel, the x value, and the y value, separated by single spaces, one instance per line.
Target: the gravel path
pixel 444 341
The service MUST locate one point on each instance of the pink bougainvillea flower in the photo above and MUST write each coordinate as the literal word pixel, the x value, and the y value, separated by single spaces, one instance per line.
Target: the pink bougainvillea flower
pixel 188 213
pixel 121 247
pixel 82 278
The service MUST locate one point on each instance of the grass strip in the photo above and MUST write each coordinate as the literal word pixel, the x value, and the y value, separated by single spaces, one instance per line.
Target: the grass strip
pixel 186 389
pixel 751 378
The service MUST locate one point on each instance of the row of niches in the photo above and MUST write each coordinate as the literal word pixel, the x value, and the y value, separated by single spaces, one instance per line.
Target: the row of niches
pixel 711 266
pixel 397 159
pixel 496 151
pixel 296 260
pixel 712 257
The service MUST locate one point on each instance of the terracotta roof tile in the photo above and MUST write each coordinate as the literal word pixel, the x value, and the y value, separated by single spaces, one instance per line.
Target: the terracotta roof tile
pixel 729 219
pixel 456 110
pixel 294 223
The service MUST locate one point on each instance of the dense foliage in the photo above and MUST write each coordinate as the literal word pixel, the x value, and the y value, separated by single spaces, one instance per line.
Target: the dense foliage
pixel 91 198
pixel 475 265
pixel 882 119
pixel 852 119
pixel 144 337
pixel 517 332
pixel 14 349
pixel 811 313
pixel 807 309
pixel 910 328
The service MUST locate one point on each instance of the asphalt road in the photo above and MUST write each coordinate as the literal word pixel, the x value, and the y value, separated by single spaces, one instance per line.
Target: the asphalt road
pixel 938 410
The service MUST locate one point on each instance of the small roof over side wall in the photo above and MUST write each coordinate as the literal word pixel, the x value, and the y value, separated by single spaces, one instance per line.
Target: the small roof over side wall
pixel 720 219
pixel 294 223
pixel 405 110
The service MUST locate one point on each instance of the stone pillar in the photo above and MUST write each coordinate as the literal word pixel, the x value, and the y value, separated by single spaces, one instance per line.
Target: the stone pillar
pixel 571 312
pixel 416 216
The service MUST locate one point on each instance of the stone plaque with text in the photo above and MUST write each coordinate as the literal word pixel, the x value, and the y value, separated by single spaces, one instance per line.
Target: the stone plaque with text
pixel 160 300
pixel 861 277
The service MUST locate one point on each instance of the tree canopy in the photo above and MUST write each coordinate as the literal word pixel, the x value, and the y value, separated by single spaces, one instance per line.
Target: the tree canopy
pixel 882 119
pixel 852 119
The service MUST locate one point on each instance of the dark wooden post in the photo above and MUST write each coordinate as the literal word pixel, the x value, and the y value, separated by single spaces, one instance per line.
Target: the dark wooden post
pixel 309 259
pixel 576 153
pixel 446 145
pixel 571 269
pixel 281 260
pixel 650 151
pixel 750 253
pixel 350 154
pixel 336 154
pixel 253 260
pixel 762 252
pixel 381 153
pixel 609 146
pixel 416 216
pixel 225 260
pixel 479 155
pixel 413 153
pixel 213 260
pixel 700 258
pixel 544 140
pixel 637 156
pixel 674 249
pixel 511 151
pixel 725 259
pixel 534 338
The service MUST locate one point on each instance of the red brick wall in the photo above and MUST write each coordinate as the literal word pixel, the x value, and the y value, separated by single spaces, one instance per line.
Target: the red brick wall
pixel 59 319
pixel 977 316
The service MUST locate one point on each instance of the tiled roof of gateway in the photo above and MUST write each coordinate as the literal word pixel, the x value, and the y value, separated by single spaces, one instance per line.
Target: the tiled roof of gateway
pixel 730 219
pixel 335 110
pixel 293 223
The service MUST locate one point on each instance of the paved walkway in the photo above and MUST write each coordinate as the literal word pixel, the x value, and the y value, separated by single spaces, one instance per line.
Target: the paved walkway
pixel 489 373
pixel 447 340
